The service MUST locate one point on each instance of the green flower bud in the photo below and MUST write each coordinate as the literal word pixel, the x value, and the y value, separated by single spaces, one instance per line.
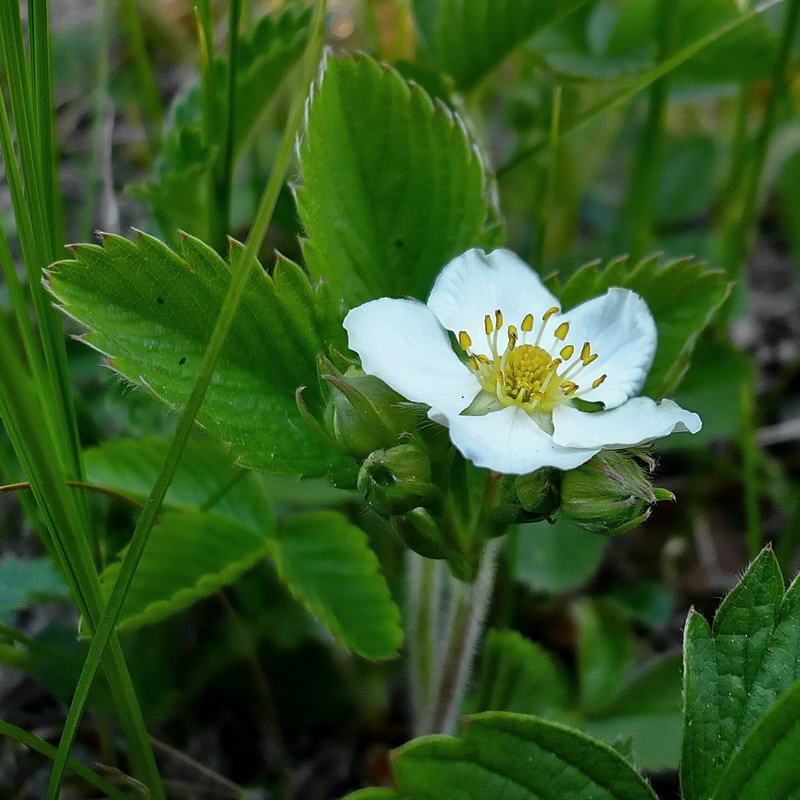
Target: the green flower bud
pixel 398 480
pixel 609 494
pixel 363 414
pixel 538 493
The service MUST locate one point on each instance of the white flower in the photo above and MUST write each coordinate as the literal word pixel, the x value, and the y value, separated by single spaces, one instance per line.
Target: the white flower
pixel 506 391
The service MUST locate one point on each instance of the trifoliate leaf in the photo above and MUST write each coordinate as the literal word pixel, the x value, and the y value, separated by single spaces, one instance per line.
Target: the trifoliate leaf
pixel 392 187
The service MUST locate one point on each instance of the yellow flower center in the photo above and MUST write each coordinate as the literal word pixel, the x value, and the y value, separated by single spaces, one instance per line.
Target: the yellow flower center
pixel 528 375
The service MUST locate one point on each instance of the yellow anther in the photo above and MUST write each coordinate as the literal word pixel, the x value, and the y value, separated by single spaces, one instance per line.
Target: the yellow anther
pixel 572 389
pixel 476 364
pixel 484 358
pixel 562 330
pixel 513 333
pixel 498 319
pixel 464 340
pixel 554 365
pixel 586 351
pixel 527 323
pixel 566 352
pixel 569 386
pixel 589 360
pixel 487 324
pixel 599 381
pixel 549 313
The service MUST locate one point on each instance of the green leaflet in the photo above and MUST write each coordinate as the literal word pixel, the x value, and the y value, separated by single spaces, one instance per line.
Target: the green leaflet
pixel 501 754
pixel 766 765
pixel 519 675
pixel 469 39
pixel 682 295
pixel 392 188
pixel 735 670
pixel 746 54
pixel 190 555
pixel 327 564
pixel 27 581
pixel 130 466
pixel 151 310
pixel 177 194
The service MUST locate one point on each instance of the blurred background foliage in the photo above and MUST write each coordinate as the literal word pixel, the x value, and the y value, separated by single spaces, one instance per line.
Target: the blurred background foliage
pixel 704 161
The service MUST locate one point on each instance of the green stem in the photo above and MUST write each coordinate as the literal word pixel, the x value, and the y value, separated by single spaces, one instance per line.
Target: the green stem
pixel 547 207
pixel 754 532
pixel 643 185
pixel 738 233
pixel 241 272
pixel 46 749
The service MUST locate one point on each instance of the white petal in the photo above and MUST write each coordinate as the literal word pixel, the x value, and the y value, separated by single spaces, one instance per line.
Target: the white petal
pixel 474 284
pixel 509 441
pixel 638 421
pixel 621 330
pixel 402 343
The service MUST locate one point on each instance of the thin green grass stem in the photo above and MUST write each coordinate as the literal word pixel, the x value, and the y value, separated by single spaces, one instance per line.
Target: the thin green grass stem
pixel 547 207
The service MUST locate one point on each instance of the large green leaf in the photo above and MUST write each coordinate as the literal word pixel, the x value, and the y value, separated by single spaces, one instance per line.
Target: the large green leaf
pixel 178 192
pixel 468 38
pixel 766 765
pixel 736 670
pixel 517 757
pixel 327 564
pixel 151 310
pixel 392 188
pixel 204 474
pixel 556 558
pixel 518 675
pixel 189 555
pixel 682 295
pixel 27 581
pixel 745 54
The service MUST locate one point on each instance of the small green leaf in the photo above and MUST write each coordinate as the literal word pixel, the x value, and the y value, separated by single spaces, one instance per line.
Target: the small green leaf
pixel 556 558
pixel 515 756
pixel 518 675
pixel 327 564
pixel 469 38
pixel 28 581
pixel 766 765
pixel 605 651
pixel 648 711
pixel 682 295
pixel 735 670
pixel 392 188
pixel 189 555
pixel 745 54
pixel 151 310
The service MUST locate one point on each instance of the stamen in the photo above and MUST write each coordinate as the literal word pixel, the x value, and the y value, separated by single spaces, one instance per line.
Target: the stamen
pixel 512 337
pixel 569 386
pixel 464 340
pixel 589 360
pixel 562 330
pixel 527 323
pixel 586 351
pixel 487 324
pixel 549 313
pixel 498 319
pixel 599 381
pixel 572 389
pixel 566 352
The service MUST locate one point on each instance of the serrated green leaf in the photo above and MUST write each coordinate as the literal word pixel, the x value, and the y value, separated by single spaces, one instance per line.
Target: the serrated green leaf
pixel 27 581
pixel 392 188
pixel 178 192
pixel 131 467
pixel 517 674
pixel 189 555
pixel 745 54
pixel 683 296
pixel 605 651
pixel 151 310
pixel 327 564
pixel 648 712
pixel 556 558
pixel 735 670
pixel 766 765
pixel 374 794
pixel 501 754
pixel 469 39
